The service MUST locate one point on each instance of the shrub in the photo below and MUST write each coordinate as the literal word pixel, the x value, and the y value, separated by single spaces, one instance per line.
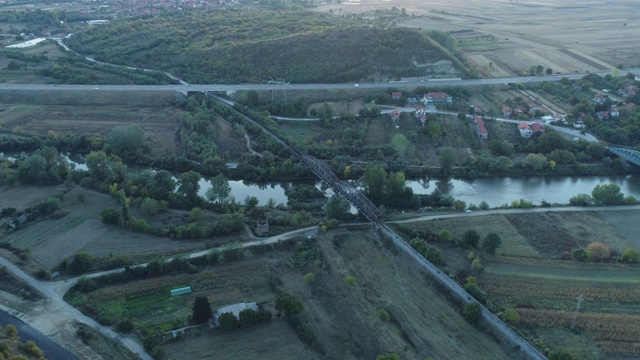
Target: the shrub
pixel 444 235
pixel 471 238
pixel 228 321
pixel 476 265
pixel 631 256
pixel 472 312
pixel 125 326
pixel 309 278
pixel 110 216
pixel 598 251
pixel 350 280
pixel 579 255
pixel 384 315
pixel 511 315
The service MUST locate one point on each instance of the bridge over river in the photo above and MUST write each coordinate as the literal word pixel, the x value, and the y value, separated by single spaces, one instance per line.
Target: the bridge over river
pixel 633 156
pixel 519 346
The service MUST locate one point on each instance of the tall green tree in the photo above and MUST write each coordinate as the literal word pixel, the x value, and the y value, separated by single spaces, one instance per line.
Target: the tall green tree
pixel 219 190
pixel 288 304
pixel 162 185
pixel 201 311
pixel 403 147
pixel 374 179
pixel 447 160
pixel 188 186
pixel 491 243
pixel 338 208
pixel 127 141
pixel 607 194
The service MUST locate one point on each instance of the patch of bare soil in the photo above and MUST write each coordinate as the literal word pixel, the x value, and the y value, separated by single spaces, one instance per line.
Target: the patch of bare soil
pixel 227 139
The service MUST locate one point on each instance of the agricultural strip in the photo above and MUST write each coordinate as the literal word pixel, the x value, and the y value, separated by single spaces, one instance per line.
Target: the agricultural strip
pixel 68 243
pixel 148 302
pixel 596 65
pixel 513 243
pixel 544 292
pixel 553 233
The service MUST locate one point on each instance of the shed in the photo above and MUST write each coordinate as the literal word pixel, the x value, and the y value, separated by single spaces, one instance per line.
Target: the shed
pixel 234 309
pixel 181 291
pixel 262 228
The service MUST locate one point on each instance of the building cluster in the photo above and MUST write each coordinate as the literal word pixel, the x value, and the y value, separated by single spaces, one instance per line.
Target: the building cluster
pixel 125 8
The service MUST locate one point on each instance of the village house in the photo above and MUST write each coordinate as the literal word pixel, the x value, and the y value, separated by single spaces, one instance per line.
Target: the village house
pixel 519 110
pixel 628 90
pixel 599 98
pixel 481 130
pixel 477 110
pixel 395 115
pixel 537 128
pixel 396 95
pixel 421 115
pixel 525 130
pixel 614 112
pixel 534 108
pixel 578 124
pixel 506 111
pixel 602 115
pixel 437 98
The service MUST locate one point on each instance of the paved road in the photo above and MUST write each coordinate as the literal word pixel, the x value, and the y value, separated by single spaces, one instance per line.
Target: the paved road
pixel 62 306
pixel 52 350
pixel 240 87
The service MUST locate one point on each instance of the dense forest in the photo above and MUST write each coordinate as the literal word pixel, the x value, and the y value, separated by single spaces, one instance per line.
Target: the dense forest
pixel 254 46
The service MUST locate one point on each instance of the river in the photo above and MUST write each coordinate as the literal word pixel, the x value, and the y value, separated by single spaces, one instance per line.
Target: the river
pixel 496 191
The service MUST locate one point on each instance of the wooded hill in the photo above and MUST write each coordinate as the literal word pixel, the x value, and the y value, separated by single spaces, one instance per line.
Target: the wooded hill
pixel 235 46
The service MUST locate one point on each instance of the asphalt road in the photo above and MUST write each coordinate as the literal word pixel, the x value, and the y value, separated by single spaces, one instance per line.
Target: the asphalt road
pixel 52 350
pixel 71 313
pixel 239 87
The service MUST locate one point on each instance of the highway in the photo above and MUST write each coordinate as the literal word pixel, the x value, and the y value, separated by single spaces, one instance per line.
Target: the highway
pixel 268 87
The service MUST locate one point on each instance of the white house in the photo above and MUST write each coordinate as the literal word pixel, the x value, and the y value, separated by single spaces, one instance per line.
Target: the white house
pixel 525 130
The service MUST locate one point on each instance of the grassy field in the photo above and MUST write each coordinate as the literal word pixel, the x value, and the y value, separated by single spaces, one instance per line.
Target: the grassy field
pixel 268 341
pixel 50 241
pixel 346 319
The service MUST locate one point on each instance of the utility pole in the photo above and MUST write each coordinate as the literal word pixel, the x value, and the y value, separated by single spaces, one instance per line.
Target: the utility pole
pixel 284 88
pixel 575 313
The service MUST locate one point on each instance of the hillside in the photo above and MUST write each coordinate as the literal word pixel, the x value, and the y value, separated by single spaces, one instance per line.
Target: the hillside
pixel 254 46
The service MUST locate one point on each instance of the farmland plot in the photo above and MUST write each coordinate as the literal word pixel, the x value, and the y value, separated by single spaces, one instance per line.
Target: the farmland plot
pixel 269 341
pixel 148 302
pixel 544 293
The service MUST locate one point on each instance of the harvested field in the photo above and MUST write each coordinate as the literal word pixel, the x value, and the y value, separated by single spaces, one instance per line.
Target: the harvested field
pixel 160 124
pixel 544 293
pixel 626 223
pixel 80 230
pixel 24 196
pixel 552 234
pixel 563 36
